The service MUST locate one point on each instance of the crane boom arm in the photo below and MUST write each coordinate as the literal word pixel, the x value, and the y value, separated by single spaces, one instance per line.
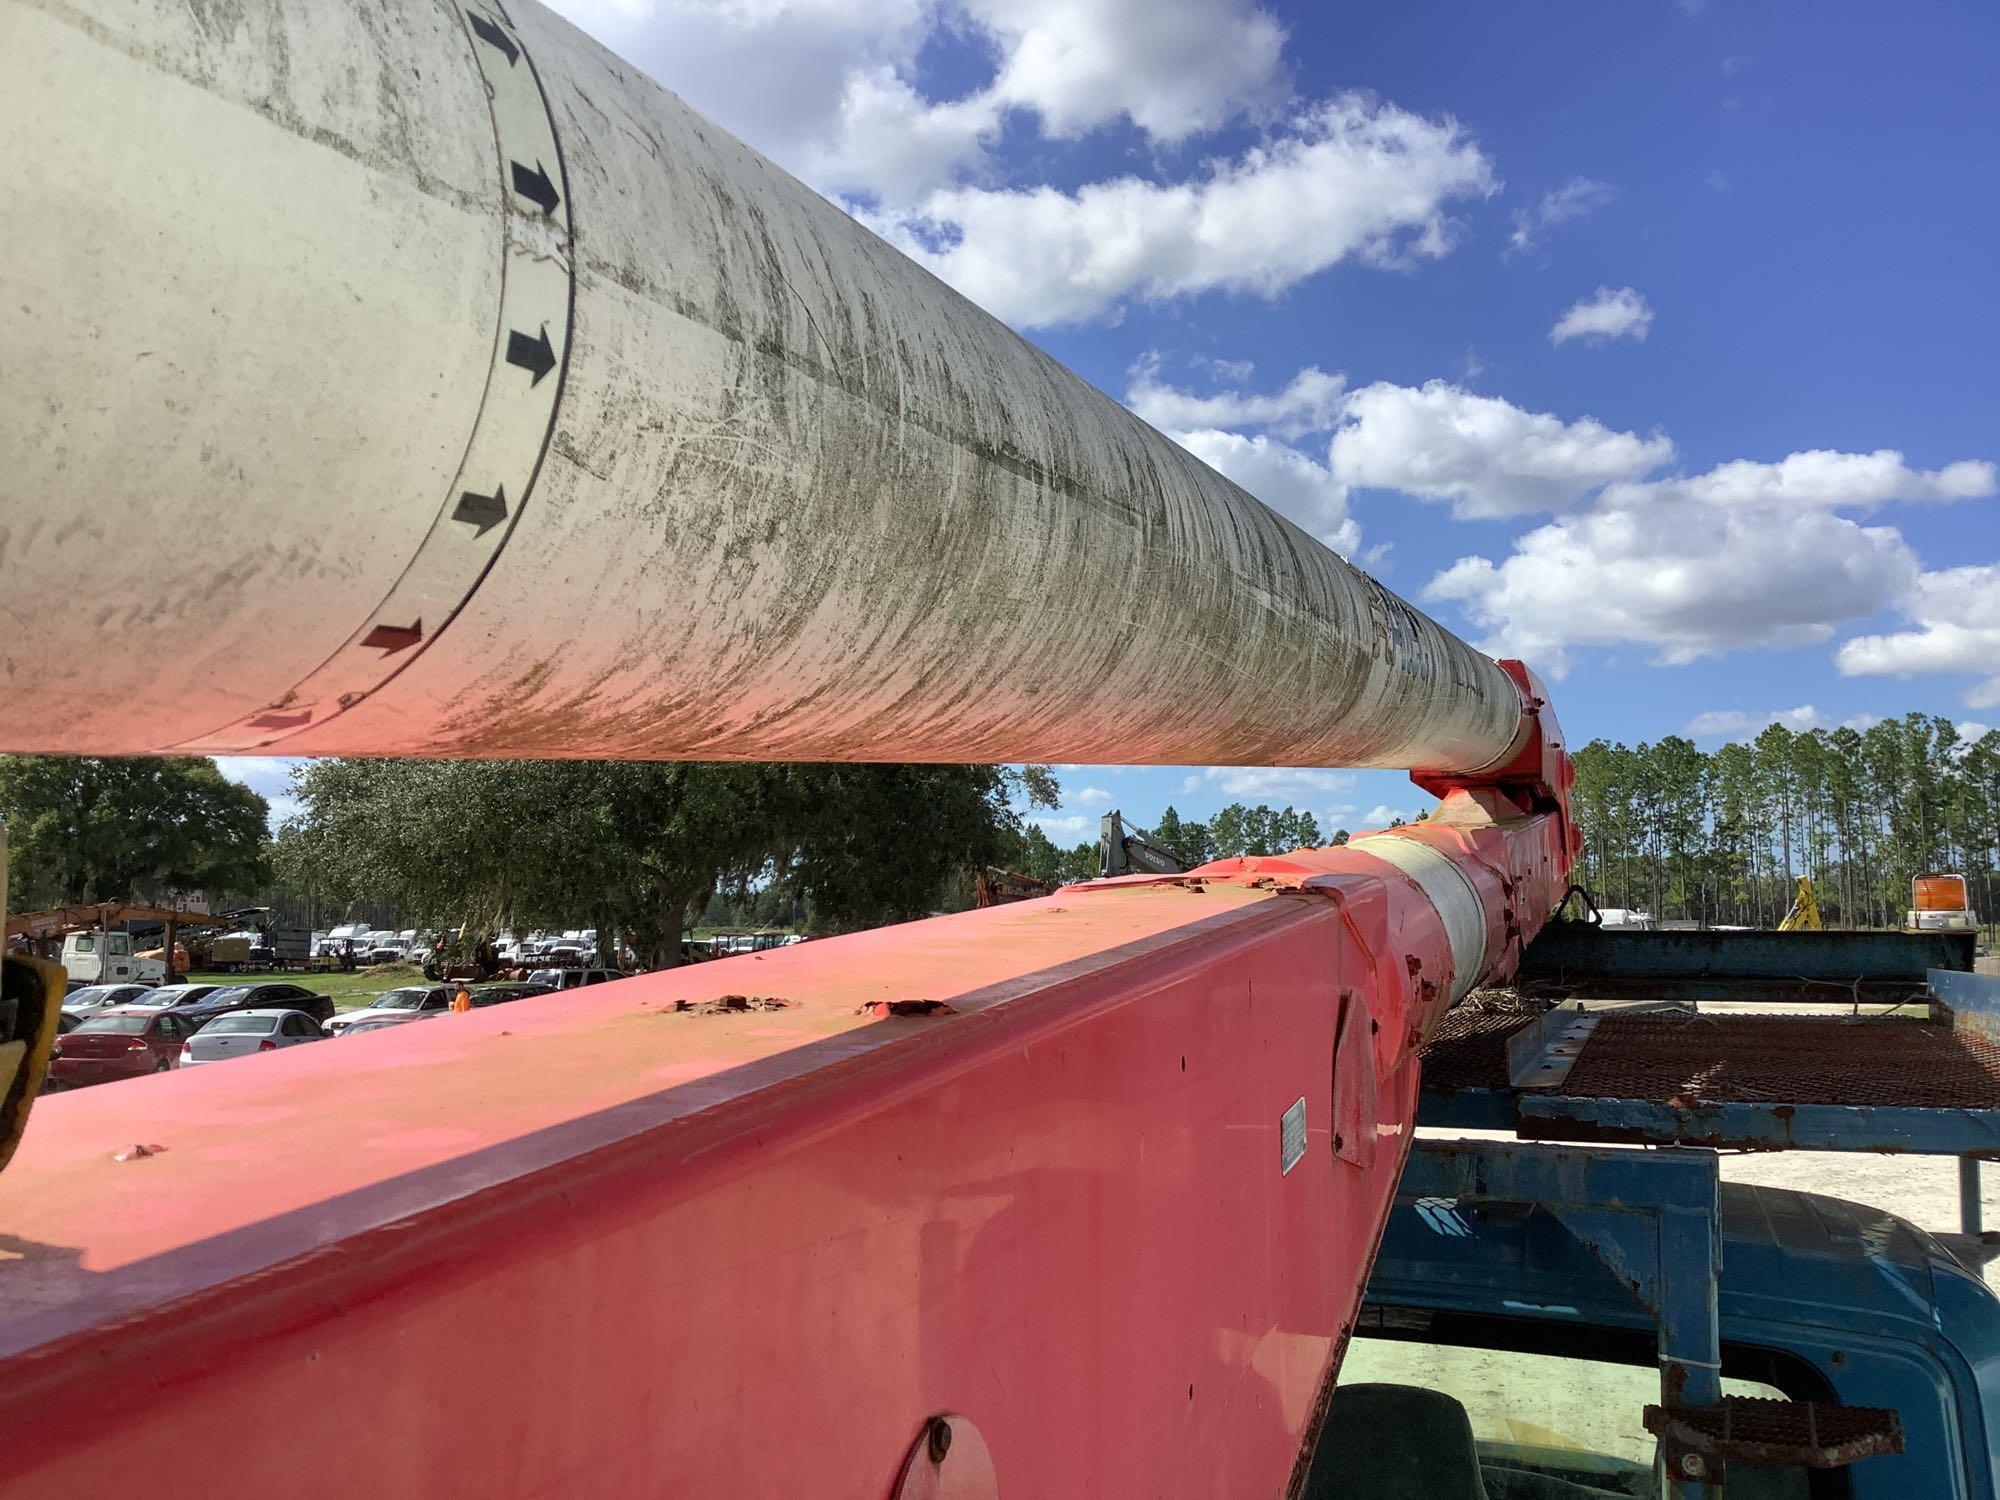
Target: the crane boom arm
pixel 519 411
pixel 684 463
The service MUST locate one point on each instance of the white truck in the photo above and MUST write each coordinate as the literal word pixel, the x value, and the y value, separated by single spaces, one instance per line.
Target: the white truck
pixel 103 957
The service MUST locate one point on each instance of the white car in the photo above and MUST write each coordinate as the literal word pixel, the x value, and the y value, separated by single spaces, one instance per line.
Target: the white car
pixel 410 1000
pixel 570 979
pixel 96 997
pixel 238 1033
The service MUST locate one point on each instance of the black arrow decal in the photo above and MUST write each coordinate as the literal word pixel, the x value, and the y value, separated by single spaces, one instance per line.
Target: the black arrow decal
pixel 533 354
pixel 483 511
pixel 535 186
pixel 389 639
pixel 494 37
pixel 281 721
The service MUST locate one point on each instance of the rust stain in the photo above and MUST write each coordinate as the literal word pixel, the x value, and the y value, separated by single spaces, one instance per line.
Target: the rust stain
pixel 885 1008
pixel 724 1005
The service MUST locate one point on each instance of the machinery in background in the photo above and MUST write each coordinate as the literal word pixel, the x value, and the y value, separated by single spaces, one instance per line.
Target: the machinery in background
pixel 992 886
pixel 256 941
pixel 106 957
pixel 1803 916
pixel 102 944
pixel 1131 851
pixel 1940 903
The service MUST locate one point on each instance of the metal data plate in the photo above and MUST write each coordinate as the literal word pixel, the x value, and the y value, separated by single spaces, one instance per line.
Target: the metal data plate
pixel 1292 1136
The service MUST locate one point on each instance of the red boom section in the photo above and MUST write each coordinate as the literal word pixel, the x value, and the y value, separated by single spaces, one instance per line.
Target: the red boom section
pixel 1102 1173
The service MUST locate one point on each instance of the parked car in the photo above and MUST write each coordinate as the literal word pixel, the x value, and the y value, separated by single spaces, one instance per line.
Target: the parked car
pixel 242 1032
pixel 366 1021
pixel 95 997
pixel 121 1043
pixel 408 1002
pixel 174 996
pixel 569 979
pixel 419 1002
pixel 501 992
pixel 267 996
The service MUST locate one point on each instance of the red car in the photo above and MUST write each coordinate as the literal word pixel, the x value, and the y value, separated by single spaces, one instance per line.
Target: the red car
pixel 119 1043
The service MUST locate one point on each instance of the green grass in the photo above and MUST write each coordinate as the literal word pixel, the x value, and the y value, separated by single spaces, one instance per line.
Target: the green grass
pixel 346 990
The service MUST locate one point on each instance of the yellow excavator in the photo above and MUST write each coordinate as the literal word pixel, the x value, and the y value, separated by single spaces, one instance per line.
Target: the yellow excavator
pixel 1804 915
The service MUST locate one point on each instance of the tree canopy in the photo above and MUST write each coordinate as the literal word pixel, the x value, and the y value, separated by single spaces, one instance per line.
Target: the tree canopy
pixel 83 829
pixel 639 848
pixel 1722 836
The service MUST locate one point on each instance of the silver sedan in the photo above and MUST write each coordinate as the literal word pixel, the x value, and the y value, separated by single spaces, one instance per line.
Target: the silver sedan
pixel 238 1033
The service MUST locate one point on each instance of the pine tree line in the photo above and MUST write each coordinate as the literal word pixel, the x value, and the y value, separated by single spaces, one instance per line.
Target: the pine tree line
pixel 1236 830
pixel 1722 836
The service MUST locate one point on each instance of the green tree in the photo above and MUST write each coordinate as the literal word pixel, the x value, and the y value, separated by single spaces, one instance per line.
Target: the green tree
pixel 1723 836
pixel 1187 841
pixel 639 848
pixel 83 829
pixel 1078 863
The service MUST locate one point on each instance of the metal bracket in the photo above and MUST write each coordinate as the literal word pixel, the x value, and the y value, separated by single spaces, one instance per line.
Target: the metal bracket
pixel 1699 1442
pixel 1540 1054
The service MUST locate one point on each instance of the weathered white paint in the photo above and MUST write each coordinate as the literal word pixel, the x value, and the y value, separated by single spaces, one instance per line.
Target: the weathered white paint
pixel 1457 902
pixel 791 496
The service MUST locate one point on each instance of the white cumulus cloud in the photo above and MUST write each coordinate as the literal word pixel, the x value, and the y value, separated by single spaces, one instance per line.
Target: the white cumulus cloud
pixel 1066 826
pixel 1295 785
pixel 1605 314
pixel 830 88
pixel 1745 554
pixel 1956 615
pixel 1349 178
pixel 1173 69
pixel 1817 480
pixel 1310 402
pixel 1573 202
pixel 1736 724
pixel 1481 454
pixel 1485 456
pixel 1381 815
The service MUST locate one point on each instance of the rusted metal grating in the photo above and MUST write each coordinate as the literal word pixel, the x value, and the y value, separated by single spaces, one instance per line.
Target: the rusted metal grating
pixel 1469 1048
pixel 1763 1430
pixel 1762 1059
pixel 1788 1059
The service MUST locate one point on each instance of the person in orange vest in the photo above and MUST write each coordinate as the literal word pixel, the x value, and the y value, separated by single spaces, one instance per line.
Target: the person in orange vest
pixel 462 1001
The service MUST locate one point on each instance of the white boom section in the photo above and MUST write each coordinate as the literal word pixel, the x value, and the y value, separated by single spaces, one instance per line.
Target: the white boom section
pixel 419 379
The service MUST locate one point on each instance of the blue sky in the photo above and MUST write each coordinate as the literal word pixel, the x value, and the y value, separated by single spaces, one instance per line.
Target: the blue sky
pixel 1651 341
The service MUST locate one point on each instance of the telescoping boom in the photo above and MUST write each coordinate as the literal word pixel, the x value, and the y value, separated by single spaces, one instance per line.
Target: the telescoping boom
pixel 517 410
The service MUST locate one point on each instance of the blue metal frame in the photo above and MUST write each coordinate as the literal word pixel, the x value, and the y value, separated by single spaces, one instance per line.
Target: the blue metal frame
pixel 1767 1127
pixel 1651 1217
pixel 1739 965
pixel 1972 1000
pixel 1967 1001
